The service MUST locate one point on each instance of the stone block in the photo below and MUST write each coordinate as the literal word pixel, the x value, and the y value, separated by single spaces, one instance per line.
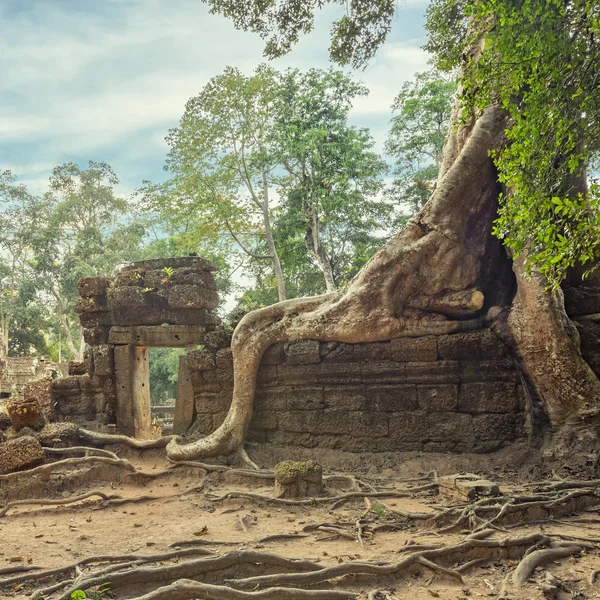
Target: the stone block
pixel 330 422
pixel 5 421
pixel 494 427
pixel 265 419
pixel 188 316
pixel 274 399
pixel 336 373
pixel 459 346
pixel 367 424
pixel 218 339
pixel 137 316
pixel 291 439
pixel 218 419
pixel 267 376
pixel 492 347
pixel 204 423
pixel 66 386
pixel 130 276
pixel 372 352
pixel 582 300
pixel 211 382
pixel 25 413
pixel 336 352
pixel 201 360
pixel 302 353
pixel 397 398
pixel 93 286
pixel 274 355
pixel 20 453
pixel 95 336
pixel 294 421
pixel 90 304
pixel 382 372
pixel 41 392
pixel 466 487
pixel 305 398
pixel 450 426
pixel 428 373
pixel 408 427
pixel 104 360
pixel 126 296
pixel 165 336
pixel 77 367
pixel 438 398
pixel 224 359
pixel 487 370
pixel 192 296
pixel 422 349
pixel 297 374
pixel 96 319
pixel 345 398
pixel 352 443
pixel 489 397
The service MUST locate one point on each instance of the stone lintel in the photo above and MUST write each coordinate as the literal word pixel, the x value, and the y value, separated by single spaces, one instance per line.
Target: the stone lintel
pixel 160 336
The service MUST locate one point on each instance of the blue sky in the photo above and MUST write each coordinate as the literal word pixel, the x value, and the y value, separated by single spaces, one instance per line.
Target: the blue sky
pixel 105 79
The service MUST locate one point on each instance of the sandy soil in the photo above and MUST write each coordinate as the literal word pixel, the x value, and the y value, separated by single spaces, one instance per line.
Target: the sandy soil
pixel 51 537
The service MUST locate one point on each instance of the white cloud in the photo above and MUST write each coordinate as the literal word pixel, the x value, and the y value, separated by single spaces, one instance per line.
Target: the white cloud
pixel 77 85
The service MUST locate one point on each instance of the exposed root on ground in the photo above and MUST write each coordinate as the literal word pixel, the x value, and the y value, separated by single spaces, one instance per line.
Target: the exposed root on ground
pixel 85 450
pixel 186 589
pixel 103 439
pixel 48 468
pixel 55 501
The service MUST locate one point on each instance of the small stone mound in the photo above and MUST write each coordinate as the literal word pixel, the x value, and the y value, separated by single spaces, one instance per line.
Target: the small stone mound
pixel 298 479
pixel 20 453
pixel 466 487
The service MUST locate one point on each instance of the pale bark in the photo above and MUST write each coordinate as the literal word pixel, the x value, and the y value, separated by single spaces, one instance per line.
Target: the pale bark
pixel 312 240
pixel 277 270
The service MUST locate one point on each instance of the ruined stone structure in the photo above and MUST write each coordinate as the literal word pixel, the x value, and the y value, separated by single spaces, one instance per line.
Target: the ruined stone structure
pixel 17 371
pixel 153 303
pixel 460 392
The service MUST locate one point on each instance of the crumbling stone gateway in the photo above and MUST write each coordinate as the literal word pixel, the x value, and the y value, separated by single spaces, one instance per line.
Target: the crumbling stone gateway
pixel 457 392
pixel 154 303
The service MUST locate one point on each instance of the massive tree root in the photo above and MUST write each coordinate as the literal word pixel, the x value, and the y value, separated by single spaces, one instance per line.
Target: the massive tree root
pixel 427 280
pixel 443 274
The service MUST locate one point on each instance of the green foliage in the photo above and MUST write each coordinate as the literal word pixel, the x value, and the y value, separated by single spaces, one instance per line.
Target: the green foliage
pixel 329 211
pixel 540 63
pixel 164 371
pixel 355 36
pixel 422 112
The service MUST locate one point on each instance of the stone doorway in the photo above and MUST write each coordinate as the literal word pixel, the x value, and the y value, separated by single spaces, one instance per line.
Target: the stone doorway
pixel 132 367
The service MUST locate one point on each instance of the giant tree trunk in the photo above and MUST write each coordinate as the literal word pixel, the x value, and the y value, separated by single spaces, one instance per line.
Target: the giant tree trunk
pixel 444 273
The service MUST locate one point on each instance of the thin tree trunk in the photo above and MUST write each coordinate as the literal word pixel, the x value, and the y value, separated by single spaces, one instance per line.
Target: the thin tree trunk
pixel 64 321
pixel 312 240
pixel 277 270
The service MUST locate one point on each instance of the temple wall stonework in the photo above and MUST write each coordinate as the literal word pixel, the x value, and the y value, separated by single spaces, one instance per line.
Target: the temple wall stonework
pixel 459 393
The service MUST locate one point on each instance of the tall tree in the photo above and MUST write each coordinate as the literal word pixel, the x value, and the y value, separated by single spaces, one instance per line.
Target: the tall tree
pixel 85 231
pixel 332 175
pixel 525 129
pixel 220 161
pixel 19 220
pixel 419 129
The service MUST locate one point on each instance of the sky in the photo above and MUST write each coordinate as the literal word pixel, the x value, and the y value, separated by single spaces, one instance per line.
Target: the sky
pixel 104 80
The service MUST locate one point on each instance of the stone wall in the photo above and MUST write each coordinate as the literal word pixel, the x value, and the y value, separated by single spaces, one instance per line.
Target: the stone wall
pixel 459 393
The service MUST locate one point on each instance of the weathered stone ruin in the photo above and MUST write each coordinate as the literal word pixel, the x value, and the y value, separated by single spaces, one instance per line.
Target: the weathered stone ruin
pixel 436 393
pixel 153 303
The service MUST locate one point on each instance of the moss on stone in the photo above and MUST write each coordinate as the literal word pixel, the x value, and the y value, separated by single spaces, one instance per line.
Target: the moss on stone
pixel 288 471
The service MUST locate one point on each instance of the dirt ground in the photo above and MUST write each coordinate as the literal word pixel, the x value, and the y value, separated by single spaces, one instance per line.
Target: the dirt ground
pixel 54 536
